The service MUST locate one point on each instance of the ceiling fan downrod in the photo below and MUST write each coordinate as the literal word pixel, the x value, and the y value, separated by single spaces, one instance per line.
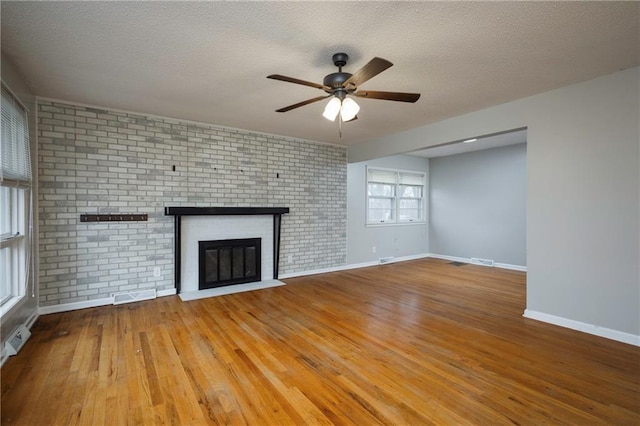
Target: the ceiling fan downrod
pixel 340 60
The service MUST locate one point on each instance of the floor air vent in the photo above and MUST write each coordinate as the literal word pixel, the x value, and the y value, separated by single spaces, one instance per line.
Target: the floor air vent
pixel 483 262
pixel 17 340
pixel 133 296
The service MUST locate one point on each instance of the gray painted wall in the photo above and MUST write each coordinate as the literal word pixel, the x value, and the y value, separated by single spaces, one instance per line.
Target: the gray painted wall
pixel 28 306
pixel 477 205
pixel 583 193
pixel 389 240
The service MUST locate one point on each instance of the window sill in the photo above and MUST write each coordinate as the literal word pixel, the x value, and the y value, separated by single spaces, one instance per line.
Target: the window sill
pixel 382 225
pixel 9 305
pixel 9 241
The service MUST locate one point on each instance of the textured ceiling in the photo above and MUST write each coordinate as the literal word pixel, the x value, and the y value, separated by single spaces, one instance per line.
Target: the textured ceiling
pixel 207 61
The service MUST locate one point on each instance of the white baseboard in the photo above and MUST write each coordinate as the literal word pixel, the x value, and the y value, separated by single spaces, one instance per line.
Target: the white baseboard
pixel 584 327
pixel 4 356
pixel 411 257
pixel 468 260
pixel 349 266
pixel 32 320
pixel 511 267
pixel 326 270
pixel 168 292
pixel 74 306
pixel 450 258
pixel 65 307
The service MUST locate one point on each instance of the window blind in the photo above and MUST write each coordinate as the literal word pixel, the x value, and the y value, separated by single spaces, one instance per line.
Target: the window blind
pixel 382 176
pixel 15 158
pixel 411 178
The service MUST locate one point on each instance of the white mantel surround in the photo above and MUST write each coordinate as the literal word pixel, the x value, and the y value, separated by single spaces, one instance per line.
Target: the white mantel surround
pixel 209 227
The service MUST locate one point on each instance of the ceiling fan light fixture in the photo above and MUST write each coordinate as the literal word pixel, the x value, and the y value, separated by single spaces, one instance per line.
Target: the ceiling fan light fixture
pixel 339 84
pixel 349 109
pixel 332 109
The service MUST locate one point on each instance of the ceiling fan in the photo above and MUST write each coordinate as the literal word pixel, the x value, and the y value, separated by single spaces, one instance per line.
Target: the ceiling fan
pixel 339 85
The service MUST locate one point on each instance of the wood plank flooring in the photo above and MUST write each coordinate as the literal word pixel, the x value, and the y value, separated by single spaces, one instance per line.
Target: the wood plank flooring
pixel 415 343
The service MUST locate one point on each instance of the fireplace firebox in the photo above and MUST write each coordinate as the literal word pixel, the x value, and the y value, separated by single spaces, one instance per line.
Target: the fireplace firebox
pixel 229 262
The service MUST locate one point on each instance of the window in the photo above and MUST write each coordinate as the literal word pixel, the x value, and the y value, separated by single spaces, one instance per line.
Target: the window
pixel 395 196
pixel 15 199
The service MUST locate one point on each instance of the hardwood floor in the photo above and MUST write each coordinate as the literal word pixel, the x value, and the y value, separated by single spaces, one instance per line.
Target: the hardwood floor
pixel 421 342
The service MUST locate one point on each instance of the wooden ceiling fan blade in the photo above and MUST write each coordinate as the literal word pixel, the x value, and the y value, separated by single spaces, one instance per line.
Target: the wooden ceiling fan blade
pixel 388 96
pixel 303 103
pixel 370 70
pixel 296 81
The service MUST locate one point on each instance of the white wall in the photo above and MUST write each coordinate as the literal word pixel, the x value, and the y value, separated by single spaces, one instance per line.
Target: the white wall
pixel 583 194
pixel 27 307
pixel 477 205
pixel 389 240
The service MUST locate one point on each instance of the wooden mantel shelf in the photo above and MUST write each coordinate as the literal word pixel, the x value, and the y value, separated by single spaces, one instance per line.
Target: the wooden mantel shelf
pixel 222 211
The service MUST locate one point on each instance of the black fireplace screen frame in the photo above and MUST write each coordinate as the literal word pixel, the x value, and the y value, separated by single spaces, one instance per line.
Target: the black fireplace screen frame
pixel 220 246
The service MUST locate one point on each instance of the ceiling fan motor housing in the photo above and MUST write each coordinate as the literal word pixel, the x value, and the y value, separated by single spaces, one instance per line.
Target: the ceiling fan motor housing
pixel 336 80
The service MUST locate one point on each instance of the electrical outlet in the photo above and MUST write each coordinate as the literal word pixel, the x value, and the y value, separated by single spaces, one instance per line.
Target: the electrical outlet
pixel 290 258
pixel 156 271
pixel 373 249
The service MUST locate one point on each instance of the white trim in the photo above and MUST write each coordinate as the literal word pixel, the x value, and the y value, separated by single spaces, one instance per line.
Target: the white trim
pixel 183 120
pixel 411 257
pixel 35 227
pixel 326 270
pixel 230 289
pixel 350 266
pixel 4 355
pixel 65 307
pixel 12 93
pixel 397 198
pixel 468 260
pixel 32 320
pixel 10 304
pixel 450 258
pixel 509 266
pixel 168 292
pixel 388 224
pixel 584 327
pixel 134 296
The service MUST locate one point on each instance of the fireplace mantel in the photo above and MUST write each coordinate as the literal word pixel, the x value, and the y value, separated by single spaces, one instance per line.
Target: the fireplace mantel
pixel 223 211
pixel 178 212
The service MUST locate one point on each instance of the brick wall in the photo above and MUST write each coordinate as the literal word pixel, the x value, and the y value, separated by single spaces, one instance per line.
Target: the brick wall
pixel 101 161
